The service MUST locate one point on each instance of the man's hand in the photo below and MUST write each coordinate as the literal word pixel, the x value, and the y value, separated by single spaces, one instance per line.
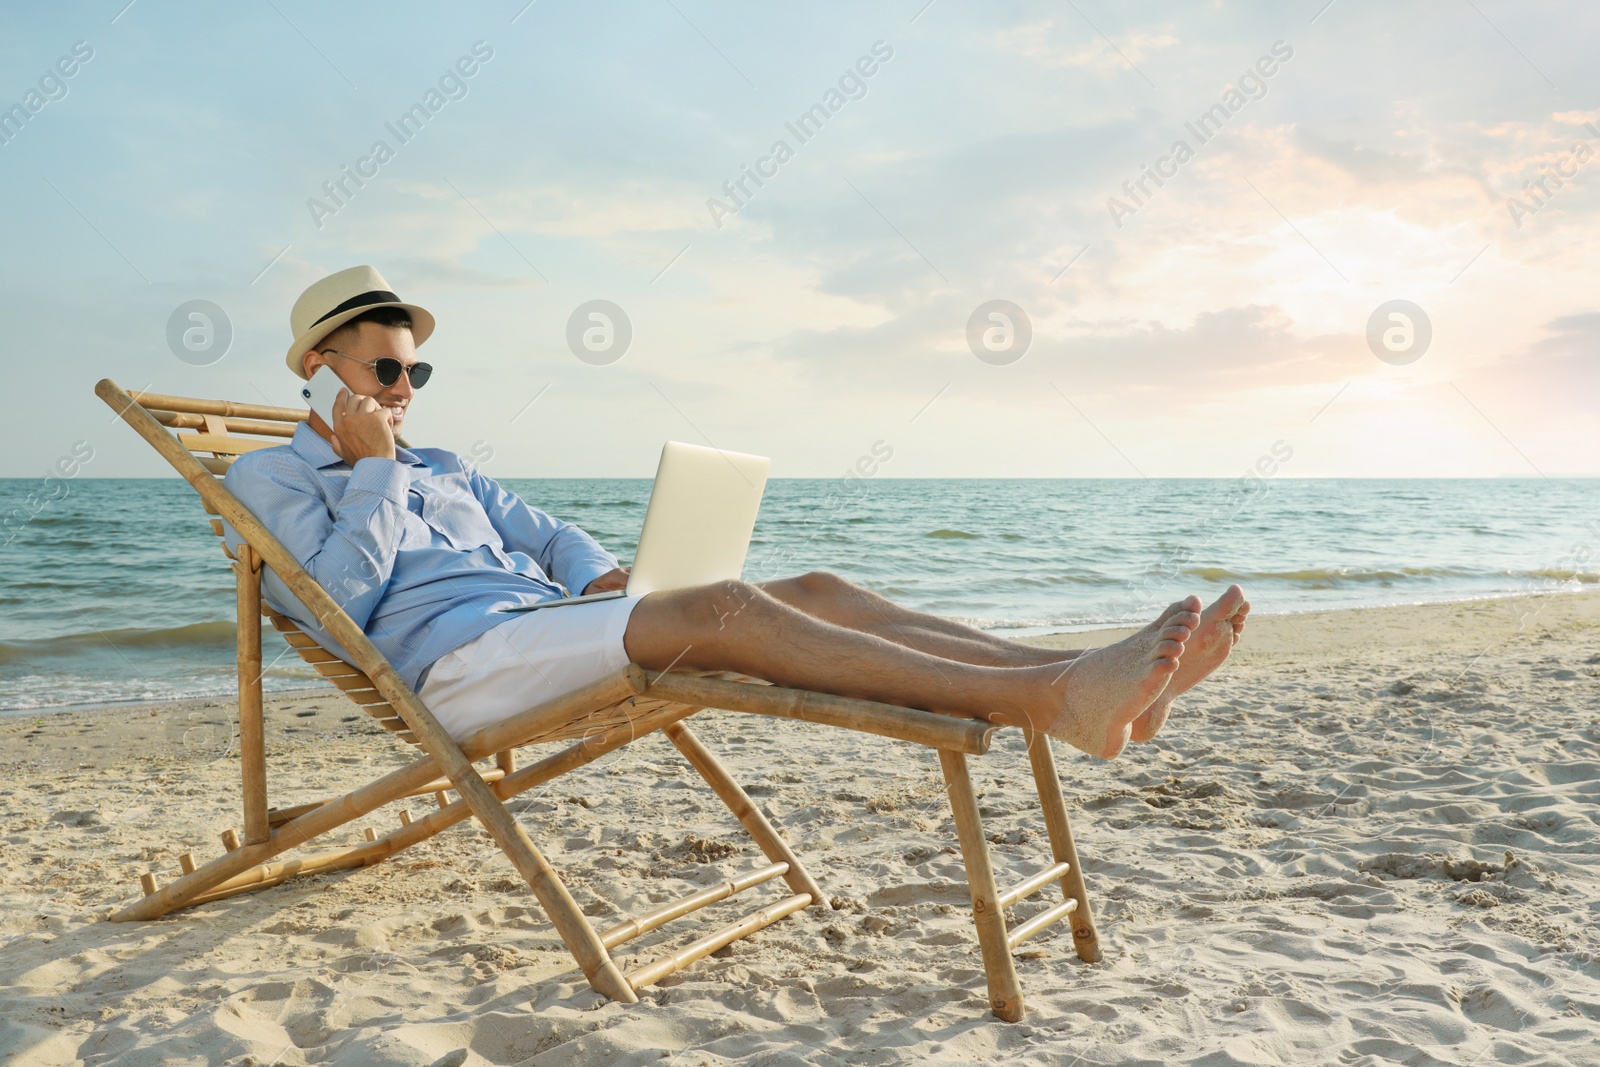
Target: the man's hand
pixel 612 579
pixel 361 428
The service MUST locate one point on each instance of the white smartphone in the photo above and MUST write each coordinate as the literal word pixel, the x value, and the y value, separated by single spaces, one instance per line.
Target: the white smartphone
pixel 319 392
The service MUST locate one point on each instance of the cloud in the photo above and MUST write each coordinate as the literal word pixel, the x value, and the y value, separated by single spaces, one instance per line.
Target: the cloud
pixel 421 272
pixel 1082 47
pixel 1567 360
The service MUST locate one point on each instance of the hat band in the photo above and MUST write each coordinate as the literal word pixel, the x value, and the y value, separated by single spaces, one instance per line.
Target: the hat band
pixel 376 296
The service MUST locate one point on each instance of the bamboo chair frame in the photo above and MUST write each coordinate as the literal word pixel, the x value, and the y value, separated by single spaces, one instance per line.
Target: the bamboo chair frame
pixel 601 718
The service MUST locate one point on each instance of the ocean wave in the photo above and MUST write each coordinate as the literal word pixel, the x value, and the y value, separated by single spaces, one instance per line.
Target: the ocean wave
pixel 53 694
pixel 219 635
pixel 1058 623
pixel 1551 574
pixel 1066 579
pixel 951 535
pixel 1331 576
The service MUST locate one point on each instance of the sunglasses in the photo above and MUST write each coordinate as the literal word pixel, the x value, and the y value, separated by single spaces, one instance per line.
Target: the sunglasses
pixel 388 369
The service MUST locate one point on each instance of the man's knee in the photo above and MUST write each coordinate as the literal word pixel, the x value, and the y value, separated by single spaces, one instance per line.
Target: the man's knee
pixel 695 612
pixel 717 602
pixel 823 584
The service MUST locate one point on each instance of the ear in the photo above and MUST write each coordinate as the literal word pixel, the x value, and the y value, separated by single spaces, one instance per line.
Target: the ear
pixel 312 360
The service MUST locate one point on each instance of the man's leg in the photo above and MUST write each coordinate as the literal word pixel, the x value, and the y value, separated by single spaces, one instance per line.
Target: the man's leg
pixel 834 599
pixel 1090 703
pixel 827 596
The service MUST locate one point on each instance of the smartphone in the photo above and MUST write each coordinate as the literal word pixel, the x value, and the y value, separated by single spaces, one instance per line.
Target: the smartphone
pixel 319 392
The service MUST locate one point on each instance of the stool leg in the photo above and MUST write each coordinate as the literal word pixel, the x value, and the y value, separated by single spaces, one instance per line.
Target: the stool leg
pixel 1005 991
pixel 1084 935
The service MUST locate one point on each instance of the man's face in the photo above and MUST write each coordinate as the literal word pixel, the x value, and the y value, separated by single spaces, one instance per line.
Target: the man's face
pixel 373 343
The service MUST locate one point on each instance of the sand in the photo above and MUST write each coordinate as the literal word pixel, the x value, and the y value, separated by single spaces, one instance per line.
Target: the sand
pixel 1373 838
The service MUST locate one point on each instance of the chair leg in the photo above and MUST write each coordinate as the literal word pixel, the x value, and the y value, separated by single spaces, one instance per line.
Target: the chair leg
pixel 335 813
pixel 506 761
pixel 755 823
pixel 252 728
pixel 1084 935
pixel 1005 991
pixel 576 932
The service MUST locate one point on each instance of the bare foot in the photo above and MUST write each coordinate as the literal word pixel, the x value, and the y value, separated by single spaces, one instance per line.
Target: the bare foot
pixel 1220 627
pixel 1106 689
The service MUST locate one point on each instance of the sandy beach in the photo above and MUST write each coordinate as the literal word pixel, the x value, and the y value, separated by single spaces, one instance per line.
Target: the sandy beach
pixel 1372 839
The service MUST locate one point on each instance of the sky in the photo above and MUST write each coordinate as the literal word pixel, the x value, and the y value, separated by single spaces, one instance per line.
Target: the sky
pixel 956 154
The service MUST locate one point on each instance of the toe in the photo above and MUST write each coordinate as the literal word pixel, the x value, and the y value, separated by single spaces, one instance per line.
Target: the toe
pixel 1228 602
pixel 1146 726
pixel 1116 743
pixel 1169 650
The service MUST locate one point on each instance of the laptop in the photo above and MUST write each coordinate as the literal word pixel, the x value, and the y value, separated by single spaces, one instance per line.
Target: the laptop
pixel 698 524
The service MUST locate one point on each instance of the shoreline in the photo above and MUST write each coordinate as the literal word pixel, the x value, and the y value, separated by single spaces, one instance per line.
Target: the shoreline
pixel 185 729
pixel 1068 638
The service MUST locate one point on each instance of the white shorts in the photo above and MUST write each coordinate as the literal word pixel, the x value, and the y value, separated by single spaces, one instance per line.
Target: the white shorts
pixel 530 658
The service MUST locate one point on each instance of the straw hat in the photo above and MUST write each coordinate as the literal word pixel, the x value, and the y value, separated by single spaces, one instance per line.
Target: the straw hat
pixel 337 299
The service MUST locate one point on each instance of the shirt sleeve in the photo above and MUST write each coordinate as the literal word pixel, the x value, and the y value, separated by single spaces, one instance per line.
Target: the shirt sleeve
pixel 350 552
pixel 565 552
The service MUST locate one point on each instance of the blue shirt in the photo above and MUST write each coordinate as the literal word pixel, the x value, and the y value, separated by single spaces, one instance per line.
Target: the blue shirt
pixel 422 551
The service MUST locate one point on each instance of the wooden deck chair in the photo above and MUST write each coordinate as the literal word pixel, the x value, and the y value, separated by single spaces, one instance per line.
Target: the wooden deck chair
pixel 600 719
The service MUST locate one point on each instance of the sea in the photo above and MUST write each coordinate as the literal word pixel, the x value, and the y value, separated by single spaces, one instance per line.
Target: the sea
pixel 115 590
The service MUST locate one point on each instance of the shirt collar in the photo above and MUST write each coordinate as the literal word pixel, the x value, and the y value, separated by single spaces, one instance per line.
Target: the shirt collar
pixel 314 449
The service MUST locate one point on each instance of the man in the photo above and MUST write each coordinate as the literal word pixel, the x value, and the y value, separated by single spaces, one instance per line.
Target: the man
pixel 425 553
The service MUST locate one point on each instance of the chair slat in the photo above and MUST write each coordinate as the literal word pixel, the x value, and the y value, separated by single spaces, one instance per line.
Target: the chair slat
pixel 221 444
pixel 216 527
pixel 317 655
pixel 340 669
pixel 260 427
pixel 353 683
pixel 228 408
pixel 215 465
